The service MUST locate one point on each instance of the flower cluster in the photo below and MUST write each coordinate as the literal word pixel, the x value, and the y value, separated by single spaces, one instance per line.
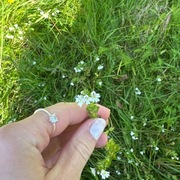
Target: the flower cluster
pixel 104 174
pixel 84 98
pixel 79 67
pixel 100 67
pixel 47 14
pixel 134 137
pixel 175 158
pixel 13 31
pixel 137 91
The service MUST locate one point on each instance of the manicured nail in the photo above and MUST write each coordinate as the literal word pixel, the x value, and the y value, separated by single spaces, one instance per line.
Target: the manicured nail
pixel 97 128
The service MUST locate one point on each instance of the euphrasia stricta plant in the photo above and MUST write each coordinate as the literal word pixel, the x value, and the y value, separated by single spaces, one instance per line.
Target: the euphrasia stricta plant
pixel 111 149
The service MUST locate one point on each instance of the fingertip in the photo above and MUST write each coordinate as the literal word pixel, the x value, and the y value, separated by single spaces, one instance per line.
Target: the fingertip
pixel 102 141
pixel 104 112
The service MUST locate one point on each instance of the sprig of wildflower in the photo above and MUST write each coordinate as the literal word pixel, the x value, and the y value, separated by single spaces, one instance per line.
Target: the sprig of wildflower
pixel 111 151
pixel 111 148
pixel 87 98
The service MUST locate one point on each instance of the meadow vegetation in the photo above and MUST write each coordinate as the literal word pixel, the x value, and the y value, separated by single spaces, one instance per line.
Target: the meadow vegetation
pixel 127 51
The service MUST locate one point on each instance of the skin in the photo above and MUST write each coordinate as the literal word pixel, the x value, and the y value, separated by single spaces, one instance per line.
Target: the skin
pixel 31 149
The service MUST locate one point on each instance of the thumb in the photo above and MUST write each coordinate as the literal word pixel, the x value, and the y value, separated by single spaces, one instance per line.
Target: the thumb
pixel 77 151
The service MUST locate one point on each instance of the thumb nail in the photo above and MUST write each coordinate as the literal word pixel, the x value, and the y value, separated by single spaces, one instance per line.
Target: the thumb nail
pixel 97 128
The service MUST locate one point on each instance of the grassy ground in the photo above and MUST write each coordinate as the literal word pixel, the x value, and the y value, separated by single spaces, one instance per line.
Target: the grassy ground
pixel 138 46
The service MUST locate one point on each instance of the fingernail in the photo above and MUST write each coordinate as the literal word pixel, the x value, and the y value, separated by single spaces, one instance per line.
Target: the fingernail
pixel 97 128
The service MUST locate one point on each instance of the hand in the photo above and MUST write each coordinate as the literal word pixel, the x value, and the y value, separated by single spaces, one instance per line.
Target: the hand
pixel 31 149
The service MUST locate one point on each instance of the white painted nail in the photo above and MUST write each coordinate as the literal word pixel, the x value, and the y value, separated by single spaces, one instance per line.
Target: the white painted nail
pixel 97 128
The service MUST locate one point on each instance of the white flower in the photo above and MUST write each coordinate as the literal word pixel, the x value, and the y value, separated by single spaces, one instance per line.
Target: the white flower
pixel 137 91
pixel 45 98
pixel 11 29
pixel 100 67
pixel 132 117
pixel 104 174
pixel 156 148
pixel 93 171
pixel 53 14
pixel 163 130
pixel 131 150
pixel 9 36
pixel 44 15
pixel 158 79
pixel 16 26
pixel 20 32
pixel 130 161
pixel 57 11
pixel 87 99
pixel 137 164
pixel 72 84
pixel 118 158
pixel 100 83
pixel 79 99
pixel 134 137
pixel 63 76
pixel 132 133
pixel 76 69
pixel 97 59
pixel 118 172
pixel 34 63
pixel 95 97
pixel 141 152
pixel 81 62
pixel 20 37
pixel 84 98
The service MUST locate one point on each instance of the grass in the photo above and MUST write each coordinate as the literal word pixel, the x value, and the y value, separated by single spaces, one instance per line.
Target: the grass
pixel 137 42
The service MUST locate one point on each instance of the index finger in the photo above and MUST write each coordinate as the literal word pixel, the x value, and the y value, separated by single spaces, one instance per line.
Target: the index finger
pixel 67 114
